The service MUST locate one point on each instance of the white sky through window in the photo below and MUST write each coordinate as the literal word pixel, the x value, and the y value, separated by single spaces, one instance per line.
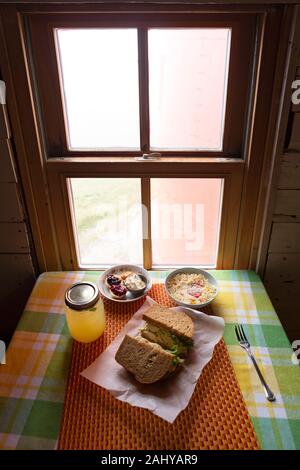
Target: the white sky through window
pixel 99 75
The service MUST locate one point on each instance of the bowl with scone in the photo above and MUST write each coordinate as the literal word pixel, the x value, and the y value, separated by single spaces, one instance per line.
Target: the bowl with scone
pixel 125 283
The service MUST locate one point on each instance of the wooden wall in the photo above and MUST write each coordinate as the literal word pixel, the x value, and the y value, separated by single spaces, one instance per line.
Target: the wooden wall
pixel 16 266
pixel 282 273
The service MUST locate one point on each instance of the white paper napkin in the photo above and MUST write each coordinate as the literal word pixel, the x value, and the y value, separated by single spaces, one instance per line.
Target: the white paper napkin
pixel 168 397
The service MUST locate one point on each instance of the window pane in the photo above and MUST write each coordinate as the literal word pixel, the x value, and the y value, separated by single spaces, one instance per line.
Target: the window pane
pixel 185 220
pixel 108 220
pixel 99 71
pixel 188 71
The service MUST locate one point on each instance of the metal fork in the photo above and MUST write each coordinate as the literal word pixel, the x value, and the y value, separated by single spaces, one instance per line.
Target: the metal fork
pixel 243 341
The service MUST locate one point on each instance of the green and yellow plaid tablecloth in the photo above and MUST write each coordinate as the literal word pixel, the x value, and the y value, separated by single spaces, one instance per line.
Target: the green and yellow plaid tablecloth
pixel 34 378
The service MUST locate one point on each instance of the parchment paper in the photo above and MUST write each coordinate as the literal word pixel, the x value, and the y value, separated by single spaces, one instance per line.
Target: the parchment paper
pixel 170 396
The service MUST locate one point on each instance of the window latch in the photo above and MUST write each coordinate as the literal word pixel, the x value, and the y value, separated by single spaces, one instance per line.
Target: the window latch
pixel 149 156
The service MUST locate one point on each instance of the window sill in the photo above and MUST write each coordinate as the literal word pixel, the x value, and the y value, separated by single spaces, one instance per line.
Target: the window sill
pixel 128 166
pixel 132 160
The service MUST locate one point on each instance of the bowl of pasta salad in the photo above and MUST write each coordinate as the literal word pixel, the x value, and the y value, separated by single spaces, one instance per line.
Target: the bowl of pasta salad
pixel 191 287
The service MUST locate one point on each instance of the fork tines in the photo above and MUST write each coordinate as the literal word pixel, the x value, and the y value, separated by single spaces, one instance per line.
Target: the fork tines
pixel 240 334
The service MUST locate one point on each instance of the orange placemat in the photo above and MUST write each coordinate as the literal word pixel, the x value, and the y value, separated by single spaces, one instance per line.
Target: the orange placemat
pixel 216 417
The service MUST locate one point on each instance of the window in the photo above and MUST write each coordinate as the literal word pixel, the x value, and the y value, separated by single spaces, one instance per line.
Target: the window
pixel 185 221
pixel 109 221
pixel 188 74
pixel 177 84
pixel 110 85
pixel 99 82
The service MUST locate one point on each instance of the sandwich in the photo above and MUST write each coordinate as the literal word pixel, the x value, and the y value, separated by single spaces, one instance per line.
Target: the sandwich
pixel 161 346
pixel 172 330
pixel 147 361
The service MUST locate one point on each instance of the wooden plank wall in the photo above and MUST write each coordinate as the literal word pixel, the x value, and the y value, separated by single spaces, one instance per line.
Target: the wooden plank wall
pixel 282 273
pixel 17 274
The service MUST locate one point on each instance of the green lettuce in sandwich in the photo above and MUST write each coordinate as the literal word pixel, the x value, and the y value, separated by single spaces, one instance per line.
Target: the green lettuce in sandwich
pixel 161 346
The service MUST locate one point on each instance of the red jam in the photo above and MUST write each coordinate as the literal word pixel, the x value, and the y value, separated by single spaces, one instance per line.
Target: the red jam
pixel 118 290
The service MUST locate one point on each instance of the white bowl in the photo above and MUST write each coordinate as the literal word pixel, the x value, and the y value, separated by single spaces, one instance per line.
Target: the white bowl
pixel 188 270
pixel 130 295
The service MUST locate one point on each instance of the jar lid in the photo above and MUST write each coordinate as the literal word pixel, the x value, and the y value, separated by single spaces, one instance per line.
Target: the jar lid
pixel 82 295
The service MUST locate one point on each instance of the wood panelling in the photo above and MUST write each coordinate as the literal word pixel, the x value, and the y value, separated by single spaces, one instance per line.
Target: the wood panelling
pixel 288 312
pixel 282 268
pixel 287 206
pixel 16 270
pixel 283 273
pixel 290 171
pixel 277 149
pixel 7 168
pixel 10 208
pixel 17 274
pixel 282 281
pixel 16 281
pixel 13 238
pixel 285 238
pixel 249 4
pixel 4 123
pixel 294 143
pixel 28 146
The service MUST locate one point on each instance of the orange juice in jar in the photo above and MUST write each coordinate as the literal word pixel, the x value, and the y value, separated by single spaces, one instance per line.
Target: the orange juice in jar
pixel 84 311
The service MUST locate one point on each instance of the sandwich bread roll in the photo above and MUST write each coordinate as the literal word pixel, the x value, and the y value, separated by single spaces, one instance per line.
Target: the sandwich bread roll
pixel 161 346
pixel 148 362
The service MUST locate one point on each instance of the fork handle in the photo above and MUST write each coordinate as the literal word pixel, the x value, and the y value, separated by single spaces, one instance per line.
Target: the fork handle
pixel 268 392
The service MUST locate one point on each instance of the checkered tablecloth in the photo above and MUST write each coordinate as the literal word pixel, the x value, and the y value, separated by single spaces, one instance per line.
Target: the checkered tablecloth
pixel 33 380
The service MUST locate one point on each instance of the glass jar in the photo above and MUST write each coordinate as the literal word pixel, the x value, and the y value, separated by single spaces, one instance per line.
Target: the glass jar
pixel 84 311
